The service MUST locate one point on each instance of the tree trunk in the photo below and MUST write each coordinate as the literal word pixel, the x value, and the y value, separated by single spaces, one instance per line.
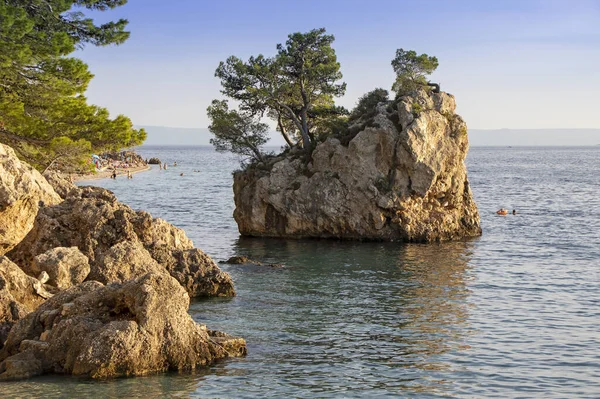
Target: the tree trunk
pixel 305 137
pixel 283 132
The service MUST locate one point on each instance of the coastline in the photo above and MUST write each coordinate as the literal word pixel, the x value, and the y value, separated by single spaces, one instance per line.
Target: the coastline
pixel 107 173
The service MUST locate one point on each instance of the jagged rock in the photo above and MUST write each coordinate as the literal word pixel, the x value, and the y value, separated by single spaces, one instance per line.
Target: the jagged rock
pixel 61 183
pixel 154 161
pixel 19 295
pixel 195 271
pixel 130 329
pixel 401 177
pixel 65 266
pixel 124 261
pixel 116 240
pixel 23 191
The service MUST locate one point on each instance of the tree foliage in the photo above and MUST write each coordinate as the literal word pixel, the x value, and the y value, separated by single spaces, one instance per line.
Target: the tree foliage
pixel 412 70
pixel 235 131
pixel 41 88
pixel 294 88
pixel 367 103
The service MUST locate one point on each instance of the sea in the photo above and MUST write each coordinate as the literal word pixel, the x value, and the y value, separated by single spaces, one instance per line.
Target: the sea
pixel 512 314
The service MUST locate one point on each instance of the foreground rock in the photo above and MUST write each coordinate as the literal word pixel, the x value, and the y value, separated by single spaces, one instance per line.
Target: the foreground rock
pixel 401 177
pixel 65 267
pixel 120 243
pixel 23 191
pixel 19 295
pixel 136 328
pixel 61 183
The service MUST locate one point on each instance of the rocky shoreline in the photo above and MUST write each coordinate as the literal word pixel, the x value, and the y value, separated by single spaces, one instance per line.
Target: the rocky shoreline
pixel 90 287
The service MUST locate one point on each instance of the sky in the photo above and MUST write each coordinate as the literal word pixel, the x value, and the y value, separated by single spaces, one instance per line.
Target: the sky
pixel 528 64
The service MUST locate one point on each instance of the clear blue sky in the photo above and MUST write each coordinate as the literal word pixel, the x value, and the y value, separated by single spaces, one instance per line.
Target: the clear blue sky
pixel 510 64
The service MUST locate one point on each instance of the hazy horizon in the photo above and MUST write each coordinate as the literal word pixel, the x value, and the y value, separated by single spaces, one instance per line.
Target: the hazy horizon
pixel 165 135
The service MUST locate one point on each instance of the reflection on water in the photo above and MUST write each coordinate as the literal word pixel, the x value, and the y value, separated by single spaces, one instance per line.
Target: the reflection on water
pixel 343 317
pixel 512 314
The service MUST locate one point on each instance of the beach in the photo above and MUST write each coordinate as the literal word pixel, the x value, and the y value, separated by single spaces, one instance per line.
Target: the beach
pixel 107 173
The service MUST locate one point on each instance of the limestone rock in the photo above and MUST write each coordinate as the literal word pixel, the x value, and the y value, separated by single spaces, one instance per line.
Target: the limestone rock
pixel 19 295
pixel 65 266
pixel 402 177
pixel 120 243
pixel 130 329
pixel 61 183
pixel 195 271
pixel 22 191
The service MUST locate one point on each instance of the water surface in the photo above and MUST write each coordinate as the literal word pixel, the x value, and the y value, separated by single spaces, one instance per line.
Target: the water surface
pixel 513 314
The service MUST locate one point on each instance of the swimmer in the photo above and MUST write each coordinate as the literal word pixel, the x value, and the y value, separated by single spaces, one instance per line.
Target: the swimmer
pixel 174 163
pixel 514 211
pixel 181 174
pixel 502 211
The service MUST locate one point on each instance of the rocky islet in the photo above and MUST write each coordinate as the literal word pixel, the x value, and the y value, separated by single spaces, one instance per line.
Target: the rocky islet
pixel 399 177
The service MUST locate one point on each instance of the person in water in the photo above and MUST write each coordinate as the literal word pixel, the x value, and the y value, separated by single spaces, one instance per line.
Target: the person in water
pixel 514 211
pixel 114 174
pixel 174 163
pixel 129 175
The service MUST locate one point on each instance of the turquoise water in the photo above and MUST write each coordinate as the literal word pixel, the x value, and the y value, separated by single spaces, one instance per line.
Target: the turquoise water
pixel 513 314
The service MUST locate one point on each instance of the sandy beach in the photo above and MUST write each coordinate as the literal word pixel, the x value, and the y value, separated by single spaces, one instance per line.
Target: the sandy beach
pixel 107 173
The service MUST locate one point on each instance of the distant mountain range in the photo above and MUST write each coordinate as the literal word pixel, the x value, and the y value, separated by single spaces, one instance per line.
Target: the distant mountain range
pixel 161 135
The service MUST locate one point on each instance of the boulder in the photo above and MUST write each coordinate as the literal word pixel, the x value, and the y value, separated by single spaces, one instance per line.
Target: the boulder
pixel 65 267
pixel 130 329
pixel 23 191
pixel 154 161
pixel 195 270
pixel 401 177
pixel 61 183
pixel 19 295
pixel 120 243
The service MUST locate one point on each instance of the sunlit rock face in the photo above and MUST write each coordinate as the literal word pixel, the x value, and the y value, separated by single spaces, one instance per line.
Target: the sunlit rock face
pixel 23 191
pixel 402 177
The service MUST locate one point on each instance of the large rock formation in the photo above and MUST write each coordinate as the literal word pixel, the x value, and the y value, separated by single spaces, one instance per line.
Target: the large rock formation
pixel 136 328
pixel 120 243
pixel 401 177
pixel 22 191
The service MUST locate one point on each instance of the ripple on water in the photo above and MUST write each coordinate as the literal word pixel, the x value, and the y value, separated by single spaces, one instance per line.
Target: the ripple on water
pixel 512 314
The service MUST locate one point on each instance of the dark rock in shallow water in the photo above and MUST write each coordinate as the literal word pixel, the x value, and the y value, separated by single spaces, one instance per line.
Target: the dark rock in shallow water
pixel 242 260
pixel 154 161
pixel 135 328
